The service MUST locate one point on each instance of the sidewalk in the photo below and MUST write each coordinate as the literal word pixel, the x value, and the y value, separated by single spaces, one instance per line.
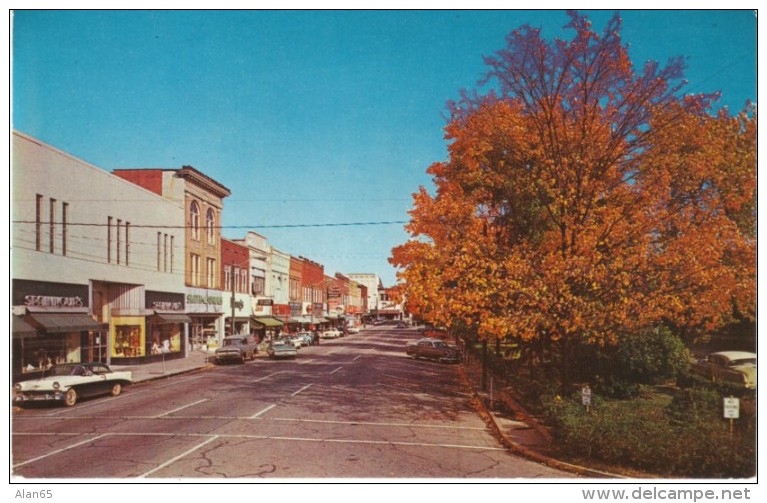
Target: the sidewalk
pixel 159 370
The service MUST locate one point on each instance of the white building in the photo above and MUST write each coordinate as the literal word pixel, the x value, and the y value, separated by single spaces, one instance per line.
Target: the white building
pixel 97 263
pixel 373 283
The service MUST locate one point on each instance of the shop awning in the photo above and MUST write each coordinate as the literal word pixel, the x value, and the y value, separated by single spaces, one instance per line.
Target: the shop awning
pixel 67 322
pixel 21 328
pixel 267 321
pixel 168 318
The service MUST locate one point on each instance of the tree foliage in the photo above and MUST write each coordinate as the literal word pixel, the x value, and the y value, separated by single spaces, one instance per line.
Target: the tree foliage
pixel 584 198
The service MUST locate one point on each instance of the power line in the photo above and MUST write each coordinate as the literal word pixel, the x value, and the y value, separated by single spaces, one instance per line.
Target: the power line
pixel 252 226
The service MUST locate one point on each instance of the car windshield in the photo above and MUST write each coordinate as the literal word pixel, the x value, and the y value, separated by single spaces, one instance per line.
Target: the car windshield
pixel 232 342
pixel 440 344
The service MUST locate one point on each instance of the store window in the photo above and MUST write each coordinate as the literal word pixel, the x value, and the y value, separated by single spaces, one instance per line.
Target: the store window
pixel 166 338
pixel 128 338
pixel 42 353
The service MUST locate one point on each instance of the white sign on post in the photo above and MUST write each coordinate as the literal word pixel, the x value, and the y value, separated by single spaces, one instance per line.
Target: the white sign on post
pixel 586 395
pixel 731 408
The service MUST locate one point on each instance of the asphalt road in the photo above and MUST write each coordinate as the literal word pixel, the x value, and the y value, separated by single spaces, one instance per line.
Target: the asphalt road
pixel 349 408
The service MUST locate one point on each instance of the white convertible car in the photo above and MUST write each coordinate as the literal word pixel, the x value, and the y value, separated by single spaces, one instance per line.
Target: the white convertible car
pixel 70 381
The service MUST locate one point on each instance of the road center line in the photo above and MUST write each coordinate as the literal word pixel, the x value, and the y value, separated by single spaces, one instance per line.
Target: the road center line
pixel 60 450
pixel 336 370
pixel 181 408
pixel 263 411
pixel 299 391
pixel 171 461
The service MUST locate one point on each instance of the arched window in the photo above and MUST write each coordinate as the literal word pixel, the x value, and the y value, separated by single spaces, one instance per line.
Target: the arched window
pixel 194 213
pixel 210 222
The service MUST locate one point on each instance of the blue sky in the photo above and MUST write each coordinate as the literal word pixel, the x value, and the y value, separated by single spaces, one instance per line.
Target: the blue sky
pixel 309 117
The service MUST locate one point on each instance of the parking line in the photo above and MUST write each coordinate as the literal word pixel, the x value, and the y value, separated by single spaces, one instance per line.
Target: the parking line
pixel 171 461
pixel 336 370
pixel 299 391
pixel 263 411
pixel 60 450
pixel 181 408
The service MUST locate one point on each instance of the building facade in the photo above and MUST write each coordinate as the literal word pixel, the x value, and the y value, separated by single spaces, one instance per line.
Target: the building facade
pixel 97 264
pixel 202 200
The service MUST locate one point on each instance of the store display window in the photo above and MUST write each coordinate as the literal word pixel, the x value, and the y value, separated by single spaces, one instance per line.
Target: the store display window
pixel 128 337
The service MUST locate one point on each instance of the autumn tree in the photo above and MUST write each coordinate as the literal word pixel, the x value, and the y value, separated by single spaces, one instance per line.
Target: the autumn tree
pixel 582 199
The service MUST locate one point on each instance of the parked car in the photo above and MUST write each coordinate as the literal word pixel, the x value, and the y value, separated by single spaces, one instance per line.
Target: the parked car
pixel 354 330
pixel 296 339
pixel 237 348
pixel 69 382
pixel 736 367
pixel 433 349
pixel 307 338
pixel 281 349
pixel 401 324
pixel 331 334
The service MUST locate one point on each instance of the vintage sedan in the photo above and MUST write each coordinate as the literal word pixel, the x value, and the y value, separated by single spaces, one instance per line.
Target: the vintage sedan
pixel 281 349
pixel 331 334
pixel 433 349
pixel 69 382
pixel 237 348
pixel 736 367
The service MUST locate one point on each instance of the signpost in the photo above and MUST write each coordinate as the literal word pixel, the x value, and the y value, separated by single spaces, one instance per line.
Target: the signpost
pixel 586 397
pixel 731 412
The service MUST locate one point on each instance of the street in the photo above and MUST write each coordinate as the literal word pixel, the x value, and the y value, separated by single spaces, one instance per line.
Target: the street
pixel 354 407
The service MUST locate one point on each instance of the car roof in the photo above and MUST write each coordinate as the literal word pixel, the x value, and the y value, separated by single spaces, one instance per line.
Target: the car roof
pixel 735 355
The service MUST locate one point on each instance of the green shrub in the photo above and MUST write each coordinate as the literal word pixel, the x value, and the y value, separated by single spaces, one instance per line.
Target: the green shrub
pixel 681 436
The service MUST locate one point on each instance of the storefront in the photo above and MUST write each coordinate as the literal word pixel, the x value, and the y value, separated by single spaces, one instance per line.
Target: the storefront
pixel 266 327
pixel 51 326
pixel 204 308
pixel 166 327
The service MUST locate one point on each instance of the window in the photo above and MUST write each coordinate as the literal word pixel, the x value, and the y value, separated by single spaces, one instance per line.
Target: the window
pixel 227 278
pixel 165 253
pixel 119 225
pixel 211 264
pixel 210 223
pixel 159 251
pixel 39 223
pixel 52 224
pixel 109 240
pixel 195 270
pixel 243 281
pixel 127 242
pixel 64 213
pixel 194 214
pixel 171 254
pixel 258 285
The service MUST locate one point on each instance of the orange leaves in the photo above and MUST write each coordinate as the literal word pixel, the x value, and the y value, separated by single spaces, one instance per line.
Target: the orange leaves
pixel 587 200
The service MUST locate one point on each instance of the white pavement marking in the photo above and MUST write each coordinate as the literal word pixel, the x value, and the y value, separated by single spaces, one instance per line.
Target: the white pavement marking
pixel 295 439
pixel 336 370
pixel 270 375
pixel 171 461
pixel 181 408
pixel 254 416
pixel 299 391
pixel 60 450
pixel 357 358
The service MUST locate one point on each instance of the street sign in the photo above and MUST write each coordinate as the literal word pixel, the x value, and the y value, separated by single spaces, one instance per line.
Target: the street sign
pixel 586 395
pixel 731 408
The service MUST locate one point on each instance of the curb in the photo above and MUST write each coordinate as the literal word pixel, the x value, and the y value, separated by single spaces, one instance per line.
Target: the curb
pixel 522 450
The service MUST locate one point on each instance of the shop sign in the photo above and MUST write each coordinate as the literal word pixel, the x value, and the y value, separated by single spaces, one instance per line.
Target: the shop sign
pixel 168 306
pixel 52 301
pixel 202 302
pixel 265 302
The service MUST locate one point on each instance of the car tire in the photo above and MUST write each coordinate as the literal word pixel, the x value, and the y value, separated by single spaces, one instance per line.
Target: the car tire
pixel 117 388
pixel 70 398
